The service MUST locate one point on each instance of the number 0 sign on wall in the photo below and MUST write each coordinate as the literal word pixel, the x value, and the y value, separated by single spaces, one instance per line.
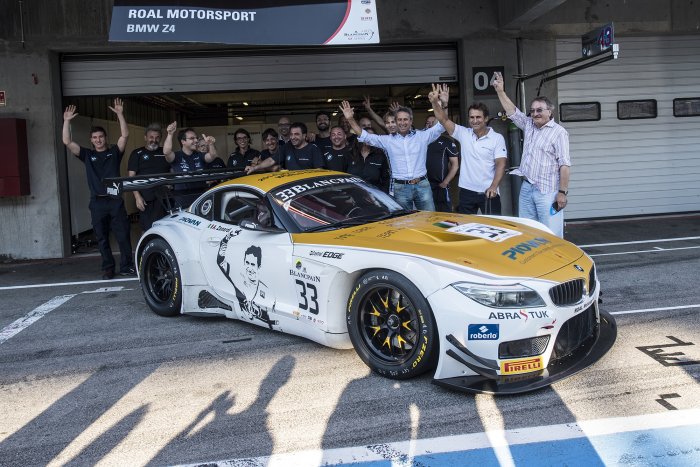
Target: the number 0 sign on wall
pixel 481 80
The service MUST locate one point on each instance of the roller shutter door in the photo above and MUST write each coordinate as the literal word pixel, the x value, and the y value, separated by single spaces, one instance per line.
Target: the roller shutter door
pixel 91 75
pixel 634 167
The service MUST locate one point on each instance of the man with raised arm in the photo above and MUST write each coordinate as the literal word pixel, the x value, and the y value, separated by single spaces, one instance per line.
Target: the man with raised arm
pixel 406 149
pixel 103 161
pixel 188 159
pixel 483 159
pixel 545 165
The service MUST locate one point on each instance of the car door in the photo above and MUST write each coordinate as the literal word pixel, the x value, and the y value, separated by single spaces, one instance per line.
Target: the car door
pixel 248 268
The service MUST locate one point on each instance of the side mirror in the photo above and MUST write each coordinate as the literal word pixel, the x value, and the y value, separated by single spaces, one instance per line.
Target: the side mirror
pixel 250 225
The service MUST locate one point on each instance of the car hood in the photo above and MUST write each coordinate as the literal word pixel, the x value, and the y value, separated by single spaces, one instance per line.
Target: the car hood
pixel 519 251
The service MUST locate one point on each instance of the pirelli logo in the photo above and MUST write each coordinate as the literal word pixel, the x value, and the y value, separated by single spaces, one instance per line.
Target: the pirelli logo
pixel 525 365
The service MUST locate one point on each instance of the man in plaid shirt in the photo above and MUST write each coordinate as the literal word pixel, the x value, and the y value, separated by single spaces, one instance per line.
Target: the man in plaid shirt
pixel 545 165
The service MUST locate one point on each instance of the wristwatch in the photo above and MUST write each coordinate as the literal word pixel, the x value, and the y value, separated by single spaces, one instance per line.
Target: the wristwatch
pixel 564 192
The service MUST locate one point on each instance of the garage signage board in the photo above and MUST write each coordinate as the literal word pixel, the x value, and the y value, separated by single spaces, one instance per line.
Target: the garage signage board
pixel 248 22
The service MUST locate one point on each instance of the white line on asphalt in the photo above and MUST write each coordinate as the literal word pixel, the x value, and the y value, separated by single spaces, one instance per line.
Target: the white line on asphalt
pixel 473 441
pixel 648 310
pixel 656 250
pixel 33 316
pixel 658 240
pixel 61 284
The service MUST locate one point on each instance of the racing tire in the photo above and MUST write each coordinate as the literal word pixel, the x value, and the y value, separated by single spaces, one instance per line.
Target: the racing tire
pixel 160 278
pixel 391 325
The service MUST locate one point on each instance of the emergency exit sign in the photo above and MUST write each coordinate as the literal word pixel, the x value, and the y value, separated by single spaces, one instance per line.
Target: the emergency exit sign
pixel 2 98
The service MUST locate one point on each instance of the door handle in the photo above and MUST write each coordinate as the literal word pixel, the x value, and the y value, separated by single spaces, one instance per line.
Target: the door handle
pixel 213 240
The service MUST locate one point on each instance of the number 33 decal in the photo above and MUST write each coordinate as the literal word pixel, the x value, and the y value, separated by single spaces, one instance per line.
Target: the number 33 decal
pixel 307 289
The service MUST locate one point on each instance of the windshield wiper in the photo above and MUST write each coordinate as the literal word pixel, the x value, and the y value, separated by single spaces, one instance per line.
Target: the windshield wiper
pixel 359 220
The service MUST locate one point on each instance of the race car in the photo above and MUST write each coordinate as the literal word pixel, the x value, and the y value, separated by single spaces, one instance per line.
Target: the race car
pixel 491 304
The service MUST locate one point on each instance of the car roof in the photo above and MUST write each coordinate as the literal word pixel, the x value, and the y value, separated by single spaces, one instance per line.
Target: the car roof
pixel 270 180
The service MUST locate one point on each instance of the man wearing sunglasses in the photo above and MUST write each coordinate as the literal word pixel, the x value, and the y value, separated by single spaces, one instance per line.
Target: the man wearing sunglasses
pixel 545 164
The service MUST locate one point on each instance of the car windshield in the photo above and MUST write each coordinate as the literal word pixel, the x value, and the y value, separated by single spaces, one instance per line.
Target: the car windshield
pixel 334 202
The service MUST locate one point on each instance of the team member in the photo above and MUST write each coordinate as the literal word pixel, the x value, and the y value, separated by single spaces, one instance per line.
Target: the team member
pixel 271 156
pixel 370 164
pixel 407 150
pixel 338 155
pixel 299 154
pixel 101 162
pixel 545 165
pixel 244 155
pixel 148 160
pixel 284 126
pixel 188 159
pixel 323 138
pixel 442 163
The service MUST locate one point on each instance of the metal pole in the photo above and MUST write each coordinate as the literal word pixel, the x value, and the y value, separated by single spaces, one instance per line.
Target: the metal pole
pixel 515 135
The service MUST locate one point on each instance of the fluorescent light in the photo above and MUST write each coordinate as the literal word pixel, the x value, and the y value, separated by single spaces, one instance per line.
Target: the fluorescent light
pixel 329 100
pixel 416 96
pixel 335 113
pixel 239 118
pixel 245 103
pixel 430 110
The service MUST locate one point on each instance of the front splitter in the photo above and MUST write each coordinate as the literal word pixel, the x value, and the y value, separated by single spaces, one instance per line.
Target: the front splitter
pixel 583 357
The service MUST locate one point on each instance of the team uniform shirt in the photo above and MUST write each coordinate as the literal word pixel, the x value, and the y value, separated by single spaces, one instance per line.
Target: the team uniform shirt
pixel 100 165
pixel 324 144
pixel 479 157
pixel 407 154
pixel 238 161
pixel 438 158
pixel 337 159
pixel 276 156
pixel 545 150
pixel 373 169
pixel 308 157
pixel 146 162
pixel 217 163
pixel 183 164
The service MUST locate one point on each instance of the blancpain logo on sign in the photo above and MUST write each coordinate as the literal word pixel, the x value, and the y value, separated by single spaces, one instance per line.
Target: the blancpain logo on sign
pixel 482 332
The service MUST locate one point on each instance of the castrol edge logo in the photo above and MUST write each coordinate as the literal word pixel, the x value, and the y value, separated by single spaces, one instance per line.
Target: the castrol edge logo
pixel 525 365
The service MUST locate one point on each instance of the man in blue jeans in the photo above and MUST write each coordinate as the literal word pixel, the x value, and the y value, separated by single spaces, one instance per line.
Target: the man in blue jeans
pixel 545 165
pixel 406 149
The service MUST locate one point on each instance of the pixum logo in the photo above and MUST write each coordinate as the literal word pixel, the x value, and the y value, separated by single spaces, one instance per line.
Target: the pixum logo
pixel 482 332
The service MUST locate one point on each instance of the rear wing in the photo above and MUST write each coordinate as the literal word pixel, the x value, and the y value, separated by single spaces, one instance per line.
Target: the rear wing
pixel 117 185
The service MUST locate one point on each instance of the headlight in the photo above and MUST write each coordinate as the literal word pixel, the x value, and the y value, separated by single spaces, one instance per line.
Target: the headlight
pixel 501 296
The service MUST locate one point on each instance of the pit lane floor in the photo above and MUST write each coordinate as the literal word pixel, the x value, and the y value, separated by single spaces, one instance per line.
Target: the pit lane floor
pixel 92 376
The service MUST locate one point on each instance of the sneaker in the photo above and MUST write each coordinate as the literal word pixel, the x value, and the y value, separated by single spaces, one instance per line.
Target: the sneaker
pixel 108 274
pixel 130 271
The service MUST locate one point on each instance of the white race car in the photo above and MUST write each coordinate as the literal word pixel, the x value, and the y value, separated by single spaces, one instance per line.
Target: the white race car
pixel 492 304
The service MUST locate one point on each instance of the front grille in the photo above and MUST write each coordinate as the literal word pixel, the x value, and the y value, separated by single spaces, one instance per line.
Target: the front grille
pixel 574 332
pixel 591 280
pixel 523 347
pixel 568 293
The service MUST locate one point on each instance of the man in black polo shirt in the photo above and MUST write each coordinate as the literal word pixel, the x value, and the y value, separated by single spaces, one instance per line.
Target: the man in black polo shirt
pixel 337 157
pixel 322 138
pixel 188 159
pixel 300 155
pixel 101 162
pixel 244 155
pixel 148 160
pixel 442 163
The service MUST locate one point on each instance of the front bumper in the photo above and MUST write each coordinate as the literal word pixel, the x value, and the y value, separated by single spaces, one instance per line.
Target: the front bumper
pixel 490 382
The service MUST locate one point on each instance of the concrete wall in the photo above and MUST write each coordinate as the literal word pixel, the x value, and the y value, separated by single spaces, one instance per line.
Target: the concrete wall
pixel 38 226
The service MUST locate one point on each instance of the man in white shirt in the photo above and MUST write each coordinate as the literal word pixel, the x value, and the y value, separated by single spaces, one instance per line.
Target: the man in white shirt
pixel 483 159
pixel 407 150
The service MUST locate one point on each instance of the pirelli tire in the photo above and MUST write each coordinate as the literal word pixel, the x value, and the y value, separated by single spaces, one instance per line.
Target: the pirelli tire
pixel 160 278
pixel 391 325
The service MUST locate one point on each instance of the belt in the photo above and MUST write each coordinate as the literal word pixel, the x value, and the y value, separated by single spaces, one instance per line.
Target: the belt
pixel 102 196
pixel 410 182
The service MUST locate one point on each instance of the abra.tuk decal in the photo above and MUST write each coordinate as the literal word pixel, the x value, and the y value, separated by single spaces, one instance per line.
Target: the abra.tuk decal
pixel 255 299
pixel 520 315
pixel 525 247
pixel 294 190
